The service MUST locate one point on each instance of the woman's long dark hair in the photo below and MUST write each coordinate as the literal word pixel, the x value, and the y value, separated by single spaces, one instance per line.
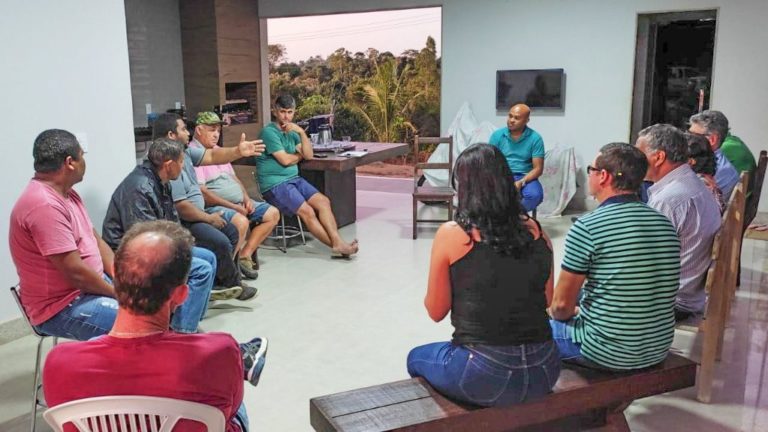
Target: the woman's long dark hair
pixel 489 200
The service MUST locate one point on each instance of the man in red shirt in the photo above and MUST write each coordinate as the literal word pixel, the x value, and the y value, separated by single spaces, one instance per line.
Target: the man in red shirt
pixel 140 356
pixel 61 261
pixel 64 266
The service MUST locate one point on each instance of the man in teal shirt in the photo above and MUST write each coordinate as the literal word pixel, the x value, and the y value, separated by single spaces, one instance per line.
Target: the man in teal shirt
pixel 278 175
pixel 524 150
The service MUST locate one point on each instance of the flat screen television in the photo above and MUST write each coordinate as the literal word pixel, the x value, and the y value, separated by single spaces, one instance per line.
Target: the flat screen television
pixel 537 88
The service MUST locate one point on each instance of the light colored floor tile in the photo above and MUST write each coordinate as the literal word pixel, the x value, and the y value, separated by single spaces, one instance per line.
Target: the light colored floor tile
pixel 336 325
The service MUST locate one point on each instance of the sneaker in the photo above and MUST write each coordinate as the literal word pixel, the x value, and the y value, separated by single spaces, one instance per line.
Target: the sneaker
pixel 247 268
pixel 254 355
pixel 248 293
pixel 221 293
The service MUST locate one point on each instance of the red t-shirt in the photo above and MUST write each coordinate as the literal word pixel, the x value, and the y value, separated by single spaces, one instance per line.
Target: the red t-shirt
pixel 44 223
pixel 205 368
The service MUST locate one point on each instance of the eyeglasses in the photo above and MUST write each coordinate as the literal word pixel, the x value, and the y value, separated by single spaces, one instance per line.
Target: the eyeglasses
pixel 591 169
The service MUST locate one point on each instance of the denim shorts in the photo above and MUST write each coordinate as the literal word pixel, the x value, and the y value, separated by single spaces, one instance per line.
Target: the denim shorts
pixel 488 375
pixel 289 195
pixel 259 210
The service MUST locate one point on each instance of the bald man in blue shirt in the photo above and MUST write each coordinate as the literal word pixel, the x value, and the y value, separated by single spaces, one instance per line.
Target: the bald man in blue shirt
pixel 524 150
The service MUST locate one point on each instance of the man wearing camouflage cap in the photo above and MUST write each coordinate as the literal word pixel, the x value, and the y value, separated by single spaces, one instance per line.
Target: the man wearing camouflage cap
pixel 211 231
pixel 224 193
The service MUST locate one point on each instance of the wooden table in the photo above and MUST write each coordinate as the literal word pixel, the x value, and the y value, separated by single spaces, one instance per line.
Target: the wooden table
pixel 334 175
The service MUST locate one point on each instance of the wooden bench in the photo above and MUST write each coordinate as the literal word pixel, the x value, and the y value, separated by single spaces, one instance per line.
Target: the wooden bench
pixel 582 398
pixel 720 286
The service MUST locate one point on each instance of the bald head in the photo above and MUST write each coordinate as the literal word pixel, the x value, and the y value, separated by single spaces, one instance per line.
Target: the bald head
pixel 147 251
pixel 153 259
pixel 518 118
pixel 521 109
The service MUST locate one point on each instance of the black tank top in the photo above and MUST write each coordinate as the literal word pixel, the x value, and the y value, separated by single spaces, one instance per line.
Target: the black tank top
pixel 499 299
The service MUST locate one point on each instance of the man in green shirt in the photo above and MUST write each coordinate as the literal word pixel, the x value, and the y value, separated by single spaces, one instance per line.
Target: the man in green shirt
pixel 278 175
pixel 732 147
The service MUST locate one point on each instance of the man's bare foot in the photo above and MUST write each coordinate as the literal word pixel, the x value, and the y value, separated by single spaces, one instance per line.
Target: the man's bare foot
pixel 345 250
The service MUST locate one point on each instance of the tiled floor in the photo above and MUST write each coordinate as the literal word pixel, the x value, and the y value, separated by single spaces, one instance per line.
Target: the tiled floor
pixel 337 325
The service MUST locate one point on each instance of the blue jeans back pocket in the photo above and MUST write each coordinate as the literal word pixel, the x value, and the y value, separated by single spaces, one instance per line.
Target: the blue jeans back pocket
pixel 483 381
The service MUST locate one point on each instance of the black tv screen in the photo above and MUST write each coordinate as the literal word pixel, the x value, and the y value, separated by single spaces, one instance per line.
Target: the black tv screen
pixel 537 88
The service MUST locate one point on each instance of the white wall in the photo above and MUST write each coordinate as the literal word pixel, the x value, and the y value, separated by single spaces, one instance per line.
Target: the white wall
pixel 154 51
pixel 66 66
pixel 594 41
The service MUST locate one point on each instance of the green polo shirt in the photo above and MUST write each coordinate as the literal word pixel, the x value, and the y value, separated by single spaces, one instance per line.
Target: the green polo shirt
pixel 738 154
pixel 270 172
pixel 519 153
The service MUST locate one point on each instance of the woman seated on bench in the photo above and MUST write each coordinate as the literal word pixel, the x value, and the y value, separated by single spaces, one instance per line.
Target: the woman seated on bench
pixel 492 269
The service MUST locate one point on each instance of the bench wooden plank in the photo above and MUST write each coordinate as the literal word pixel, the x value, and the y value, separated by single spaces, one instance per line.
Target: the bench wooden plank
pixel 412 405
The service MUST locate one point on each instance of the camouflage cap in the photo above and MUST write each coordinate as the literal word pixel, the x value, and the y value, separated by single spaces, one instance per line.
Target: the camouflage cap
pixel 208 118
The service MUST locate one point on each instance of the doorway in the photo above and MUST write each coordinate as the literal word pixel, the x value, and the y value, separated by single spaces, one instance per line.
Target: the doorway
pixel 673 67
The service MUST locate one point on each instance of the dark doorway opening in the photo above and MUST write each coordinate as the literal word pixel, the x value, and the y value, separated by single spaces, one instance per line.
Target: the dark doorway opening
pixel 673 67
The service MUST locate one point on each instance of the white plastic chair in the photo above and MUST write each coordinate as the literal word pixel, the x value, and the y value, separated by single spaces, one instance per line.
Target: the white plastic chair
pixel 132 414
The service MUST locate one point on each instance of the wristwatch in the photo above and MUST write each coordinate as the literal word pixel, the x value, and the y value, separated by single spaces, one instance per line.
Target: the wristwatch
pixel 522 182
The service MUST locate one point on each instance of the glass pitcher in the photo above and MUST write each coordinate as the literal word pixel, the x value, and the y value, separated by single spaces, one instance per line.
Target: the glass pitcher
pixel 325 135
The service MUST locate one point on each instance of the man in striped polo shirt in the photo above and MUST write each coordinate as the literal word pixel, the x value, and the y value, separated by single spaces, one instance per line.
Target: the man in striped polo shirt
pixel 624 257
pixel 685 200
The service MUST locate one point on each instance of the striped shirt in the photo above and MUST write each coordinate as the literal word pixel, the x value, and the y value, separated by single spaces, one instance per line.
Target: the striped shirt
pixel 695 214
pixel 630 255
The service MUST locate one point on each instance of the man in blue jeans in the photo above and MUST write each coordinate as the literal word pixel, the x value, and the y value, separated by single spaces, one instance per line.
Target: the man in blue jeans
pixel 64 266
pixel 524 150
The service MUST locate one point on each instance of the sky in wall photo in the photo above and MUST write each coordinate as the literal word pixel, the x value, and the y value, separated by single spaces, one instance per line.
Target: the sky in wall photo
pixel 393 31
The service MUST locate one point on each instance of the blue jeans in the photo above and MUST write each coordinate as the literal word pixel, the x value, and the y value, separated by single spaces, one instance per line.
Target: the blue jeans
pixel 241 417
pixel 87 317
pixel 200 282
pixel 532 193
pixel 90 315
pixel 562 334
pixel 487 375
pixel 221 242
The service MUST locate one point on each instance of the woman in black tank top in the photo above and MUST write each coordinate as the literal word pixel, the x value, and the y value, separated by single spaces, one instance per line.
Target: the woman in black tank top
pixel 492 270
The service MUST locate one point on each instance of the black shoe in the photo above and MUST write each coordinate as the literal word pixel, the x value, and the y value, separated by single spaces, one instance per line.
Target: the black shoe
pixel 222 293
pixel 681 315
pixel 248 293
pixel 247 268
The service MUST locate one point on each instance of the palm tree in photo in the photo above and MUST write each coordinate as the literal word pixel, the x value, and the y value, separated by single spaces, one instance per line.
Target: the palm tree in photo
pixel 384 103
